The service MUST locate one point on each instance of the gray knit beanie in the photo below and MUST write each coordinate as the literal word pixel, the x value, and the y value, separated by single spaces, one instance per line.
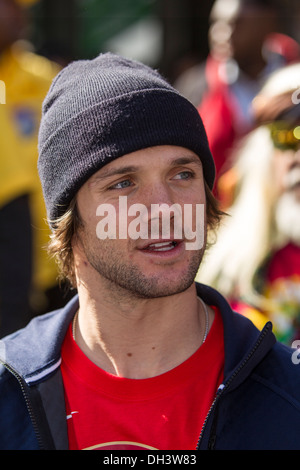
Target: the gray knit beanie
pixel 101 109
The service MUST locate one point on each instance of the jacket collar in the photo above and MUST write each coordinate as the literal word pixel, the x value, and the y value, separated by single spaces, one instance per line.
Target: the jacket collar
pixel 245 346
pixel 35 351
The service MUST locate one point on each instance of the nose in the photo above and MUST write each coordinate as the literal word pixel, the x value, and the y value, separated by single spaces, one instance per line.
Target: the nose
pixel 163 210
pixel 157 192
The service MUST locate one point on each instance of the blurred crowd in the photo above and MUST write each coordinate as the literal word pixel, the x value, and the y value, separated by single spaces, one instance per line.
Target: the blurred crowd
pixel 250 104
pixel 248 93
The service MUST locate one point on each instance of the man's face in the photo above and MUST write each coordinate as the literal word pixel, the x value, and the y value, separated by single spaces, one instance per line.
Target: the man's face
pixel 145 266
pixel 246 45
pixel 232 29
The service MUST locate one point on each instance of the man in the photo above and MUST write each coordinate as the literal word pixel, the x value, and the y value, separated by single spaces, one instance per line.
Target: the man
pixel 142 358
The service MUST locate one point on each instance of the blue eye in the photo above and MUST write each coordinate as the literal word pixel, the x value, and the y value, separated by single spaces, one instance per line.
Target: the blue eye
pixel 184 175
pixel 121 185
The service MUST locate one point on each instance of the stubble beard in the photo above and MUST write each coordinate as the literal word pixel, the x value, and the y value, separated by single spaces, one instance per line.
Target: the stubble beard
pixel 124 278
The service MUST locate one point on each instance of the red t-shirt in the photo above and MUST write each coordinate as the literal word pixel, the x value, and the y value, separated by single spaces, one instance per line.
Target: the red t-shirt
pixel 164 412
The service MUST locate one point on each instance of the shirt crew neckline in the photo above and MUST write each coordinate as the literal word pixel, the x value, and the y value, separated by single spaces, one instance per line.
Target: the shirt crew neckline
pixel 141 389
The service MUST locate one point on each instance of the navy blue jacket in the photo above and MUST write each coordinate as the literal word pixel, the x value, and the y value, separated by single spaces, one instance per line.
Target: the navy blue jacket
pixel 256 407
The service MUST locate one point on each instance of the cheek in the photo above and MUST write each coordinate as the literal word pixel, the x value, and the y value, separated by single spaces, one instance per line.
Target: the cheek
pixel 196 195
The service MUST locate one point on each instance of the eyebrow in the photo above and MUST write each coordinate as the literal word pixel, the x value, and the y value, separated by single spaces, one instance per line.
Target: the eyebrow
pixel 133 168
pixel 117 171
pixel 186 160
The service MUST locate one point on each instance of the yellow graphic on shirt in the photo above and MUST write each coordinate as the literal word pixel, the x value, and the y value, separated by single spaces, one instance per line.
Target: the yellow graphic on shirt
pixel 120 445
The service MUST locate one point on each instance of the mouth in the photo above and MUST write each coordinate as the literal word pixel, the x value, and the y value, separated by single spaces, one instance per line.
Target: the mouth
pixel 161 246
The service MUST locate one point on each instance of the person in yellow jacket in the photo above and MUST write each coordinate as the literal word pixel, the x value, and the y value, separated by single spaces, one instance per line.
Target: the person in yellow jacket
pixel 25 267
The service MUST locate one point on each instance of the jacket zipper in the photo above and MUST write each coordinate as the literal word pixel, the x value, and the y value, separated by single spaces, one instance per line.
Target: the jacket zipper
pixel 24 387
pixel 223 387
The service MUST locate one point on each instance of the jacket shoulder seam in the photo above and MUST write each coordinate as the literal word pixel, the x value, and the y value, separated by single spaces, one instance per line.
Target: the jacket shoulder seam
pixel 277 390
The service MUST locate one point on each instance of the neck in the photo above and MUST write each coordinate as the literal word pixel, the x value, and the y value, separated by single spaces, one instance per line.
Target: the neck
pixel 140 338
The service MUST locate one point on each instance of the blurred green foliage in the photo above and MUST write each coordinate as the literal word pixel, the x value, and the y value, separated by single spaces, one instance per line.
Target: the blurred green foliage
pixel 100 20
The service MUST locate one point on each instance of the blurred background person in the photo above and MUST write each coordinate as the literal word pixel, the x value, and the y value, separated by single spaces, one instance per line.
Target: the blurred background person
pixel 255 261
pixel 246 45
pixel 26 272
